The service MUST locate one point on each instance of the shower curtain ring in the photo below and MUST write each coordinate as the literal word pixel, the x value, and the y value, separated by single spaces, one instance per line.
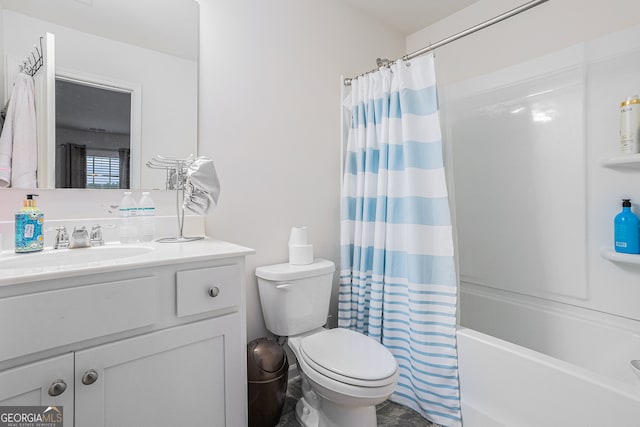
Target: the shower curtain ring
pixel 431 51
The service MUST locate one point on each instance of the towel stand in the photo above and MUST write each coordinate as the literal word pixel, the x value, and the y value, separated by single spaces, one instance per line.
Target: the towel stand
pixel 176 179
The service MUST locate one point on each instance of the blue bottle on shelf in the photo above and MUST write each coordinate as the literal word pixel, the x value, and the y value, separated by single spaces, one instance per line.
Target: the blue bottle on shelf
pixel 627 230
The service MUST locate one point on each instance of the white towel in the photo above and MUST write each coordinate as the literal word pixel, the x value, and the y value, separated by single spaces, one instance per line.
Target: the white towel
pixel 18 141
pixel 203 187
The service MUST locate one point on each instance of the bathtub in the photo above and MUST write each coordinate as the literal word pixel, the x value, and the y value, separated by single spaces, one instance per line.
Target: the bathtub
pixel 504 384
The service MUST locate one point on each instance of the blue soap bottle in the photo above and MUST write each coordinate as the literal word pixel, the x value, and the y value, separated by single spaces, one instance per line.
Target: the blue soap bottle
pixel 29 222
pixel 627 230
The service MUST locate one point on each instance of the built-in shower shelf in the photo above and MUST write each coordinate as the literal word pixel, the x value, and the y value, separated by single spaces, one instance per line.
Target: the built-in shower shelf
pixel 623 161
pixel 611 255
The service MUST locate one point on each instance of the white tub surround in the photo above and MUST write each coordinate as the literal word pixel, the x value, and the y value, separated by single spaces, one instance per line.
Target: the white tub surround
pixel 121 339
pixel 503 384
pixel 535 218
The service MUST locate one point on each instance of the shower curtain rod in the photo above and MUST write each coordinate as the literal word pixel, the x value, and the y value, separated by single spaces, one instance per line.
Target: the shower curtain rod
pixel 471 30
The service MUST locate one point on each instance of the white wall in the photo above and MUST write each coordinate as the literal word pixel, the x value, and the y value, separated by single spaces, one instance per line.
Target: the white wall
pixel 270 118
pixel 548 28
pixel 168 83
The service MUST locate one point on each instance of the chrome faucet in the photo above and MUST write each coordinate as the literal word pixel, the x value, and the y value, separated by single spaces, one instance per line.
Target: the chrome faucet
pixel 96 238
pixel 79 238
pixel 62 238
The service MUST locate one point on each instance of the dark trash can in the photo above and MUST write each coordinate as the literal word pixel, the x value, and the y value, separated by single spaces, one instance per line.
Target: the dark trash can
pixel 267 374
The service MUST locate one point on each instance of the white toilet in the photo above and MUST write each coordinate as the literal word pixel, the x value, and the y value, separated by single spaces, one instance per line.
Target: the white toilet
pixel 344 373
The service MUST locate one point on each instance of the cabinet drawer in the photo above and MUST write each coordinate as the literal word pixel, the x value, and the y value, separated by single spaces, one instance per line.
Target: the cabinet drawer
pixel 37 322
pixel 207 289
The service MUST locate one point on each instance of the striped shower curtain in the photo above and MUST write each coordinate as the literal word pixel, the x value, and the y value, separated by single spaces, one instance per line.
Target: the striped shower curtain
pixel 397 279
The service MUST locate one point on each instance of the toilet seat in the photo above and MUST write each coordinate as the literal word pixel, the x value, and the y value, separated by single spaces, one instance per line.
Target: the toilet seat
pixel 349 357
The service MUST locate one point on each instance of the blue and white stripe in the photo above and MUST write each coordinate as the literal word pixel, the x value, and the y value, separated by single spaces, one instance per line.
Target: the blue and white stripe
pixel 397 279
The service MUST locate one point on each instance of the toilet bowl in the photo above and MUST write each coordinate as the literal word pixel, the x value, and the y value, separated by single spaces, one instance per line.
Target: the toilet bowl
pixel 347 373
pixel 344 373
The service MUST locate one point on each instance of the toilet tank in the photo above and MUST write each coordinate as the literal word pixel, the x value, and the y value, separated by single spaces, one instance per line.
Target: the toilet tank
pixel 295 298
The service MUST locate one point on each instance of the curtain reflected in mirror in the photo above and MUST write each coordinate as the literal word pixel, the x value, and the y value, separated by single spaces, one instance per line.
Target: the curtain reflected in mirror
pixel 93 135
pixel 125 162
pixel 71 166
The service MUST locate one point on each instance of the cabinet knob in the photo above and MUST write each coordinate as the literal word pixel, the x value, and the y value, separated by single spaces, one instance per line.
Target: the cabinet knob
pixel 214 291
pixel 57 388
pixel 90 377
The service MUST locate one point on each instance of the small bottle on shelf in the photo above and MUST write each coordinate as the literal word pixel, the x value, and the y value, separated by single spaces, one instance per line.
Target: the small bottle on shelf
pixel 630 125
pixel 627 230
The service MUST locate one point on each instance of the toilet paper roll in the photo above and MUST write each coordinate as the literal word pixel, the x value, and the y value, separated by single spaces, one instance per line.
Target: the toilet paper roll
pixel 299 236
pixel 300 254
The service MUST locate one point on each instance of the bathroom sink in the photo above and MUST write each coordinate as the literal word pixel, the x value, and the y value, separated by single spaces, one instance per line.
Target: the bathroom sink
pixel 64 257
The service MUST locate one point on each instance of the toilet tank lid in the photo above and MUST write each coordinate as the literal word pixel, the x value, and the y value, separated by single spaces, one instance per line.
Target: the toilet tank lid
pixel 286 271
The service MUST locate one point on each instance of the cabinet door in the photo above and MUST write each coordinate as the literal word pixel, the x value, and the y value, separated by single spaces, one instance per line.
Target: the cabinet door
pixel 174 377
pixel 47 382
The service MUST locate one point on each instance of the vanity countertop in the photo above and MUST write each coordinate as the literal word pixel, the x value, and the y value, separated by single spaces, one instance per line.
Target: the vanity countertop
pixel 38 266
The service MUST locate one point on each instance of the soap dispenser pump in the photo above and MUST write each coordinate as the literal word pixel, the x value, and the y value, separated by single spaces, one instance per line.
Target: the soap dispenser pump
pixel 29 224
pixel 627 230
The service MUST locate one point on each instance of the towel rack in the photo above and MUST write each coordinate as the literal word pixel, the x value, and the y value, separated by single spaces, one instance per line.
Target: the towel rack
pixel 175 170
pixel 33 61
pixel 176 179
pixel 30 65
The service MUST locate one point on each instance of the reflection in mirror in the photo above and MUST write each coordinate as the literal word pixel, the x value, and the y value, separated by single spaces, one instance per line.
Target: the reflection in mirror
pixel 93 136
pixel 144 47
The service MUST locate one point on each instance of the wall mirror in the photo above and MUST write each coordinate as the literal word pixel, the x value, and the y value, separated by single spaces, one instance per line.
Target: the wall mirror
pixel 121 86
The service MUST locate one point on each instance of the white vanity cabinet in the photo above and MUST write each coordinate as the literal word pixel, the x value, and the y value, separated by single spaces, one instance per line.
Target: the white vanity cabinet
pixel 46 382
pixel 171 377
pixel 162 344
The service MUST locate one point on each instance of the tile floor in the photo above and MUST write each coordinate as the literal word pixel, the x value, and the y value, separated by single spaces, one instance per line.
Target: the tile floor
pixel 389 413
